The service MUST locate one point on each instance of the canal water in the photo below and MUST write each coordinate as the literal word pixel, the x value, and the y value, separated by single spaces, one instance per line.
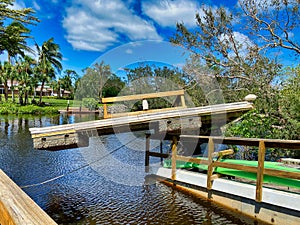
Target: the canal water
pixel 100 184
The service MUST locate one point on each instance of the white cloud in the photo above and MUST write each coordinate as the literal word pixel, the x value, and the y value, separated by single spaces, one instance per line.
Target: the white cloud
pixel 167 13
pixel 242 42
pixel 36 6
pixel 97 25
pixel 129 51
pixel 18 5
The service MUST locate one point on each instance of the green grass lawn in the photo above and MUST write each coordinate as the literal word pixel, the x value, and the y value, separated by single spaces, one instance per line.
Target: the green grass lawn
pixel 52 106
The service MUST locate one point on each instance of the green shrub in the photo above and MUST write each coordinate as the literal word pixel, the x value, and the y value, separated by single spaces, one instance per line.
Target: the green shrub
pixel 90 103
pixel 13 108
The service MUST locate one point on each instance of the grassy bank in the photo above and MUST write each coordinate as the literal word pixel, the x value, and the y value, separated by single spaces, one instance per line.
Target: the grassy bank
pixel 51 105
pixel 15 108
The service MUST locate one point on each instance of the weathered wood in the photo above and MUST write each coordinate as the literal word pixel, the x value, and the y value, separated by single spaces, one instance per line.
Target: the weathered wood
pixel 192 160
pixel 161 155
pixel 17 208
pixel 222 153
pixel 269 143
pixel 140 120
pixel 105 113
pixel 123 114
pixel 147 153
pixel 174 155
pixel 210 167
pixel 260 171
pixel 142 96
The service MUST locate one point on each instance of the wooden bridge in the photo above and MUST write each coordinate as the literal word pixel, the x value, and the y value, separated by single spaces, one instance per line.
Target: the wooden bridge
pixel 167 122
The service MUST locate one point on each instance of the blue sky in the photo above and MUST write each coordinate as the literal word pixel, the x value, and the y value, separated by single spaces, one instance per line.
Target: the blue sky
pixel 120 32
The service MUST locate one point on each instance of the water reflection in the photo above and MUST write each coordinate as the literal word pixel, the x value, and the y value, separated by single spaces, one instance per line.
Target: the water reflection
pixel 85 196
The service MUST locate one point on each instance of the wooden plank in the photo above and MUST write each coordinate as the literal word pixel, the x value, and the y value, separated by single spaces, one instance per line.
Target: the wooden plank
pixel 161 155
pixel 147 153
pixel 105 114
pixel 174 155
pixel 210 168
pixel 54 133
pixel 269 143
pixel 17 208
pixel 182 101
pixel 192 160
pixel 142 96
pixel 115 115
pixel 147 117
pixel 260 171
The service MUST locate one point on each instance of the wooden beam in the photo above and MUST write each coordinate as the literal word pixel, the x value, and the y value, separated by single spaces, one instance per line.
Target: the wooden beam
pixel 269 143
pixel 147 153
pixel 210 168
pixel 115 115
pixel 17 208
pixel 260 171
pixel 142 96
pixel 174 155
pixel 192 160
pixel 105 113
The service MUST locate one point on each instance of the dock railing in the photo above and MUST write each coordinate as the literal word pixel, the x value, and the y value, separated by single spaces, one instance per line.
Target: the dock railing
pixel 105 101
pixel 260 170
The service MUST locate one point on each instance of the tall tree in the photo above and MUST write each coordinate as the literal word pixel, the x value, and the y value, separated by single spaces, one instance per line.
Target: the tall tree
pixel 49 58
pixel 16 32
pixel 13 40
pixel 91 85
pixel 68 81
pixel 272 22
pixel 104 73
pixel 237 46
pixel 6 71
pixel 25 70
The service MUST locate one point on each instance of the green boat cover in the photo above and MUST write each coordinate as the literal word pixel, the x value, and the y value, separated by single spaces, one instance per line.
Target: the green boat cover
pixel 243 174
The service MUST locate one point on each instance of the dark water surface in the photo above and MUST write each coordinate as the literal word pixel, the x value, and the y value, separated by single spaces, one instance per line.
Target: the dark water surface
pixel 101 184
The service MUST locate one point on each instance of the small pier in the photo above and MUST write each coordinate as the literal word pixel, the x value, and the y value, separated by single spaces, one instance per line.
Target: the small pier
pixel 254 198
pixel 77 135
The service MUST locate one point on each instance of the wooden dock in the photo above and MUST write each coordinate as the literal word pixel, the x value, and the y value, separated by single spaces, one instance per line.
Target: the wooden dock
pixel 17 208
pixel 76 135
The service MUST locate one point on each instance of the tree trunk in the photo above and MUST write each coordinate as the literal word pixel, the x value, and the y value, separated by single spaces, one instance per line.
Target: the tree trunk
pixel 26 98
pixel 21 98
pixel 41 93
pixel 5 91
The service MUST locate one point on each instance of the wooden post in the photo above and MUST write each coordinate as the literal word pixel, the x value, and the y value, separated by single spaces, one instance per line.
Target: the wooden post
pixel 147 152
pixel 210 165
pixel 182 100
pixel 174 156
pixel 260 170
pixel 105 111
pixel 161 151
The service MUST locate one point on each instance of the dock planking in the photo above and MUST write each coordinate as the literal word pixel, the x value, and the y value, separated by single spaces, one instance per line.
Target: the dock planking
pixel 17 208
pixel 72 135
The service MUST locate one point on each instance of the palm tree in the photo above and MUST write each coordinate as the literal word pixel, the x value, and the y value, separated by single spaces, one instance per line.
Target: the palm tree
pixel 13 40
pixel 49 60
pixel 68 81
pixel 25 70
pixel 6 71
pixel 19 16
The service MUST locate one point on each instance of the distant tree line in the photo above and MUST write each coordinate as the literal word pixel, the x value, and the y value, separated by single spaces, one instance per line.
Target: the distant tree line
pixel 21 68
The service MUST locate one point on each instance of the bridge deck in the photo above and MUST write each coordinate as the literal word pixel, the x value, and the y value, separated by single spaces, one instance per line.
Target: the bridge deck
pixel 69 134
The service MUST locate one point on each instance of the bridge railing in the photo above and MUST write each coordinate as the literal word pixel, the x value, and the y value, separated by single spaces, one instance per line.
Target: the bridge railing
pixel 260 170
pixel 105 101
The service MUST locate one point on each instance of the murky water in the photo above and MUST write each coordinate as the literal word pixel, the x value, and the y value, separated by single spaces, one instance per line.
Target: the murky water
pixel 101 184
